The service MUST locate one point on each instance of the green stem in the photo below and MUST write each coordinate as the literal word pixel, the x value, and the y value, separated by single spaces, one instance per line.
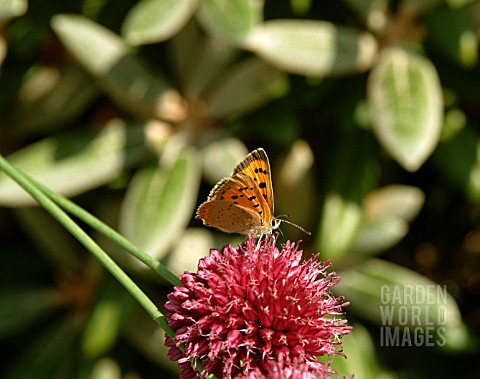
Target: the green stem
pixel 109 232
pixel 48 199
pixel 89 244
pixel 104 229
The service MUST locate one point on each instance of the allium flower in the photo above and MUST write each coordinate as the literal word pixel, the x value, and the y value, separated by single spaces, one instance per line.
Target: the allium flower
pixel 297 370
pixel 246 307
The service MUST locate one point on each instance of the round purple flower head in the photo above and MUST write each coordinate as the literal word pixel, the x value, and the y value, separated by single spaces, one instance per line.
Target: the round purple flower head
pixel 247 307
pixel 296 370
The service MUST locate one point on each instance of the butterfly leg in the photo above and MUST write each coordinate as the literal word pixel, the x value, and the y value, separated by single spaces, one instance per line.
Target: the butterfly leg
pixel 259 240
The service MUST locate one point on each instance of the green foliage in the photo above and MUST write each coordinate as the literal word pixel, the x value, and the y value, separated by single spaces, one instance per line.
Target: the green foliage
pixel 369 113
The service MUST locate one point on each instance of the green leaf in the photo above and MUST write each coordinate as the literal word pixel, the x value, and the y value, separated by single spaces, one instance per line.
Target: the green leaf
pixel 294 185
pixel 387 213
pixel 49 97
pixel 395 297
pixel 12 8
pixel 160 202
pixel 194 244
pixel 407 106
pixel 459 41
pixel 21 308
pixel 122 75
pixel 375 236
pixel 342 213
pixel 3 49
pixel 55 244
pixel 233 20
pixel 106 368
pixel 340 222
pixel 183 51
pixel 361 357
pixel 49 355
pixel 152 21
pixel 458 159
pixel 314 48
pixel 220 157
pixel 394 201
pixel 244 87
pixel 149 339
pixel 421 7
pixel 373 12
pixel 73 163
pixel 109 314
pixel 199 60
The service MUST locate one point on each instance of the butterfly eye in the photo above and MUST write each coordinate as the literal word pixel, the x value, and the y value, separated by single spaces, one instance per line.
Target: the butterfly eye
pixel 276 223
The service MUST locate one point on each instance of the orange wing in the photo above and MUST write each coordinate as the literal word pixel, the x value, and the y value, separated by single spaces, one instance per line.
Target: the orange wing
pixel 228 217
pixel 241 190
pixel 257 167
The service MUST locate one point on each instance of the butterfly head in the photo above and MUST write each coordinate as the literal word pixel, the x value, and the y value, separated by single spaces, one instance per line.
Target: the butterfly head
pixel 275 223
pixel 266 228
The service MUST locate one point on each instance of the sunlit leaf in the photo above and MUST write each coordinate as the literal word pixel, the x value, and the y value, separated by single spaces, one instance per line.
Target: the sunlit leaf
pixel 151 21
pixel 122 75
pixel 3 49
pixel 194 244
pixel 160 203
pixel 12 8
pixel 387 213
pixel 220 157
pixel 341 220
pixel 75 162
pixel 314 48
pixel 375 236
pixel 394 201
pixel 294 185
pixel 106 368
pixel 392 297
pixel 243 88
pixel 230 19
pixel 407 107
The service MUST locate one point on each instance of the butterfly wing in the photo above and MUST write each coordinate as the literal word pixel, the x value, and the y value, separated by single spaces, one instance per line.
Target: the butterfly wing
pixel 228 217
pixel 257 167
pixel 236 205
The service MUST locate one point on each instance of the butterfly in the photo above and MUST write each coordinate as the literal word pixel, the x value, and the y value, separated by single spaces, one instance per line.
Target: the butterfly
pixel 243 202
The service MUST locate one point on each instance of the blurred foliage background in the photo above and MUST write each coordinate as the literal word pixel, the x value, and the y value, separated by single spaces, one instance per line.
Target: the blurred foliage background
pixel 368 109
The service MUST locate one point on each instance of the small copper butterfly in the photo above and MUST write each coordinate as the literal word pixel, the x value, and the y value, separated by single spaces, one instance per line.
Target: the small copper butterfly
pixel 243 202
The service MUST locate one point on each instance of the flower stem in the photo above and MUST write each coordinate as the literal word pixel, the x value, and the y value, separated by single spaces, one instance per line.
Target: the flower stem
pixel 49 205
pixel 98 225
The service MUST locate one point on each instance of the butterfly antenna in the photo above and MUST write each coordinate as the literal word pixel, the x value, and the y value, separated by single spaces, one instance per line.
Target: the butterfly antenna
pixel 295 225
